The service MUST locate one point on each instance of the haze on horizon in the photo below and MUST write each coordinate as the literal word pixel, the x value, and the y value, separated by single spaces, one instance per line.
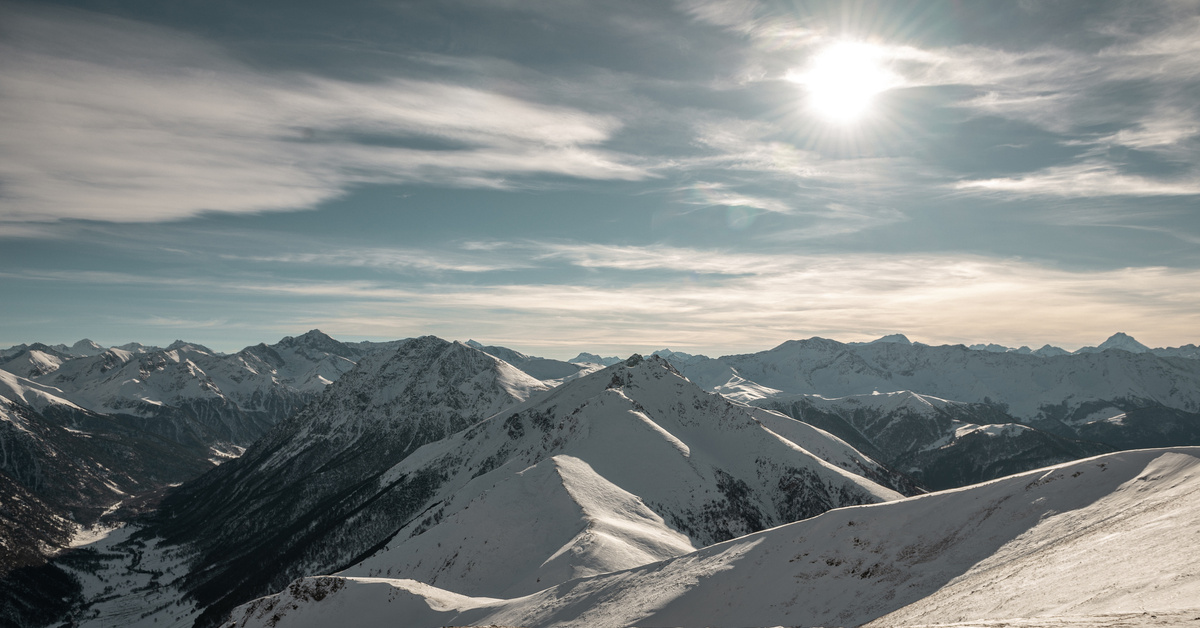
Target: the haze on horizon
pixel 713 176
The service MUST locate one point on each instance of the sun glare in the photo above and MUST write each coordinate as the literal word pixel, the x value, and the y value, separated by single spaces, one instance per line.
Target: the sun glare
pixel 843 80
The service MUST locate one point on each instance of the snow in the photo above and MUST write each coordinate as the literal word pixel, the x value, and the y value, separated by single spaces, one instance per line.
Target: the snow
pixel 584 525
pixel 31 393
pixel 1038 547
pixel 999 429
pixel 1109 414
pixel 130 582
pixel 629 465
pixel 1027 384
pixel 261 378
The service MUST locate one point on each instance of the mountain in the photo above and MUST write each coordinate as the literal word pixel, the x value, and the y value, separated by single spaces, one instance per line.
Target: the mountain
pixel 678 358
pixel 1119 340
pixel 1030 387
pixel 137 347
pixel 940 444
pixel 1034 549
pixel 899 339
pixel 33 360
pixel 95 440
pixel 592 358
pixel 302 495
pixel 1076 405
pixel 1186 351
pixel 191 394
pixel 85 348
pixel 613 469
pixel 1050 351
pixel 539 368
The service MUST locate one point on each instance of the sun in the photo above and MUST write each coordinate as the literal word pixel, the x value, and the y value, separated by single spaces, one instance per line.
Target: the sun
pixel 843 79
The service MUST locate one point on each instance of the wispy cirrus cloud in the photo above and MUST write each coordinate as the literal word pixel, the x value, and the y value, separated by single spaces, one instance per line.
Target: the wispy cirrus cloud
pixel 1082 180
pixel 109 119
pixel 725 301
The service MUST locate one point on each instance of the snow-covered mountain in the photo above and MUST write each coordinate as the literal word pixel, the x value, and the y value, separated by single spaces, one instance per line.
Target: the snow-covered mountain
pixel 614 469
pixel 939 443
pixel 1116 398
pixel 188 392
pixel 89 438
pixel 1031 388
pixel 267 517
pixel 1119 340
pixel 33 360
pixel 592 358
pixel 545 369
pixel 1035 549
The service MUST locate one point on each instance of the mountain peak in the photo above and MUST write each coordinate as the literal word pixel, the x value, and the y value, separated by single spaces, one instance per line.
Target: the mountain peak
pixel 317 340
pixel 592 358
pixel 1123 341
pixel 86 347
pixel 899 339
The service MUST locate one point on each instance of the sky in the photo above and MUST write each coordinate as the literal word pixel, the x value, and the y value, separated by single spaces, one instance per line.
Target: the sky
pixel 713 176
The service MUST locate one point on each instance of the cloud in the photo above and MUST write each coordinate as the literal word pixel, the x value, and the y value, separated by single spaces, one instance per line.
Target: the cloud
pixel 1132 67
pixel 399 260
pixel 115 120
pixel 724 301
pixel 1091 179
pixel 709 194
pixel 935 299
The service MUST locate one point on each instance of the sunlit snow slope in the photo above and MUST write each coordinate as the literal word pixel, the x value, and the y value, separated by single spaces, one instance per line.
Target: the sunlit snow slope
pixel 1082 543
pixel 618 468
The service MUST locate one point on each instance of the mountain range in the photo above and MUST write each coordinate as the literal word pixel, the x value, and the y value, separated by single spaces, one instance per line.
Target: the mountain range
pixel 428 461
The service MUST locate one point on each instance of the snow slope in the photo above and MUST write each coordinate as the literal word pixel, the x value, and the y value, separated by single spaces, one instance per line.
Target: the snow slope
pixel 939 443
pixel 585 525
pixel 1079 543
pixel 33 362
pixel 623 466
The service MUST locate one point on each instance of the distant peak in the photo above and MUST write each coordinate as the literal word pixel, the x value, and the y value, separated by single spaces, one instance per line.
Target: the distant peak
pixel 899 339
pixel 314 339
pixel 180 344
pixel 592 358
pixel 474 344
pixel 1121 340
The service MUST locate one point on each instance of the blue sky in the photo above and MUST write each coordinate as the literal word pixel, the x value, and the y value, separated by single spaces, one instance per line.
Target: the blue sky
pixel 607 176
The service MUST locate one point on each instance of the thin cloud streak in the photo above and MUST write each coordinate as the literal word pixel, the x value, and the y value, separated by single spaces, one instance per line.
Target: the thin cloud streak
pixel 1084 180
